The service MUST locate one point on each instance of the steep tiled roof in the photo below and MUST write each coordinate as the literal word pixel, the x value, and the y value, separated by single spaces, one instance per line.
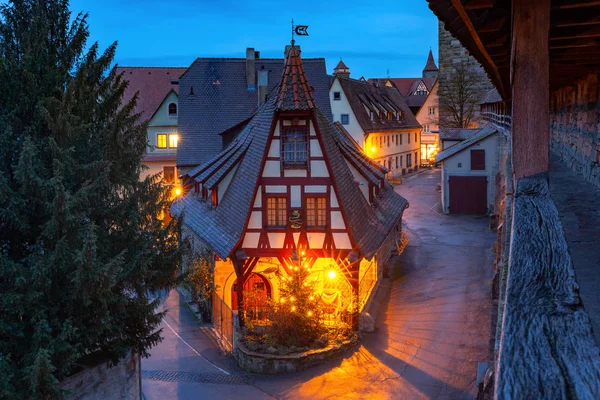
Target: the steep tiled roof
pixel 341 65
pixel 481 134
pixel 294 91
pixel 153 85
pixel 222 227
pixel 222 100
pixel 430 66
pixel 379 100
pixel 492 96
pixel 457 133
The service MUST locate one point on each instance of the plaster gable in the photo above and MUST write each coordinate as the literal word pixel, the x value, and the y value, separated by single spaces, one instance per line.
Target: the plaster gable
pixel 342 106
pixel 161 116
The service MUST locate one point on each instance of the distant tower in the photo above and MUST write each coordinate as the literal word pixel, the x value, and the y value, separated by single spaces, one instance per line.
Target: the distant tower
pixel 341 70
pixel 431 70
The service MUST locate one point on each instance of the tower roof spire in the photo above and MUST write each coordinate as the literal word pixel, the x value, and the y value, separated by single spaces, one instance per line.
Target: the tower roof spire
pixel 430 66
pixel 294 92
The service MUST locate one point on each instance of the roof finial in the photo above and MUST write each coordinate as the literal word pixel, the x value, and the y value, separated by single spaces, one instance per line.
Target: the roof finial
pixel 293 41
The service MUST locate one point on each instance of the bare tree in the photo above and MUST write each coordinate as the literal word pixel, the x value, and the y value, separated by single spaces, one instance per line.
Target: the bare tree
pixel 459 93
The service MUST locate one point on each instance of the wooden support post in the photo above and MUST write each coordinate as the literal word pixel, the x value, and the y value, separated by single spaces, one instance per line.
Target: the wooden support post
pixel 355 299
pixel 238 266
pixel 530 73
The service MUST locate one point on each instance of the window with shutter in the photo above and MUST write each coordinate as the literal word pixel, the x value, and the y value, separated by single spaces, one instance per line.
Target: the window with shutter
pixel 477 160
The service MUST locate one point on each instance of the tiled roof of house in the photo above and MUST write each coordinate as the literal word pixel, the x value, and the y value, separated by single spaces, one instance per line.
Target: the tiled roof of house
pixel 294 91
pixel 457 133
pixel 222 227
pixel 222 100
pixel 363 96
pixel 406 85
pixel 492 96
pixel 153 85
pixel 430 66
pixel 341 65
pixel 481 134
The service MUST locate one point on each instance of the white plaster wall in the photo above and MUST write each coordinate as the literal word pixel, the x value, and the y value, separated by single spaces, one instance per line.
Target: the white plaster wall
pixel 315 189
pixel 275 189
pixel 423 116
pixel 342 106
pixel 275 148
pixel 156 167
pixel 295 173
pixel 258 198
pixel 337 220
pixel 318 168
pixel 255 221
pixel 224 184
pixel 315 148
pixel 333 198
pixel 271 169
pixel 450 167
pixel 342 241
pixel 363 183
pixel 250 240
pixel 296 194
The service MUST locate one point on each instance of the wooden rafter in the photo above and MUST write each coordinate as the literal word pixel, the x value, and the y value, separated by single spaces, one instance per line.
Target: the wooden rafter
pixel 478 43
pixel 479 4
pixel 566 5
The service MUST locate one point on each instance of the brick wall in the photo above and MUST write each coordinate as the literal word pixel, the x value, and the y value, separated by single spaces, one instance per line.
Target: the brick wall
pixel 120 382
pixel 575 126
pixel 451 52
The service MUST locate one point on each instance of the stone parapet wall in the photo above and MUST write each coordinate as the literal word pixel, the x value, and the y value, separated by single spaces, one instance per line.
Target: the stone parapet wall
pixel 120 382
pixel 575 127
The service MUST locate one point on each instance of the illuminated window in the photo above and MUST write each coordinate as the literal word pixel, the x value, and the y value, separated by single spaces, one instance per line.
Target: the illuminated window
pixel 172 109
pixel 276 212
pixel 316 212
pixel 173 139
pixel 294 147
pixel 169 174
pixel 161 140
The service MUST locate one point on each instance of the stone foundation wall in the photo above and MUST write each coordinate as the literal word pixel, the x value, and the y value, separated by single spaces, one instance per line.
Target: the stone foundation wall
pixel 575 127
pixel 120 382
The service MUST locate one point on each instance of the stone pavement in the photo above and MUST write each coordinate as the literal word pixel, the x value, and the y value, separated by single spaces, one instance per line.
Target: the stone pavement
pixel 432 331
pixel 577 204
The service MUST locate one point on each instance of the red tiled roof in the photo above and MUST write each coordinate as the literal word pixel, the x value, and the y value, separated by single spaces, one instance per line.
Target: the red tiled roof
pixel 152 83
pixel 294 92
pixel 341 65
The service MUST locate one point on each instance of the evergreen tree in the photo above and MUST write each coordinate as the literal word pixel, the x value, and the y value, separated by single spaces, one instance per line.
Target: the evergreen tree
pixel 81 242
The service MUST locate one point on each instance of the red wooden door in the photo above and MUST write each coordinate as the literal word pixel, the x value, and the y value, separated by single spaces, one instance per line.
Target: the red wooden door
pixel 468 194
pixel 256 292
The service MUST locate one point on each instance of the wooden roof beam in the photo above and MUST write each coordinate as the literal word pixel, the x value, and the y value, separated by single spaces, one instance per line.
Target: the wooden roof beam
pixel 494 25
pixel 460 9
pixel 566 5
pixel 576 20
pixel 575 33
pixel 479 4
pixel 582 43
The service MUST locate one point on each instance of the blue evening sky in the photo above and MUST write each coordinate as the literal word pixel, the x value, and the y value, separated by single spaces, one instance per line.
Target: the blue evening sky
pixel 370 38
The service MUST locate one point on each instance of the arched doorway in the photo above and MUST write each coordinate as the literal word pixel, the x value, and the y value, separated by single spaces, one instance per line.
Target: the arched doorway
pixel 257 292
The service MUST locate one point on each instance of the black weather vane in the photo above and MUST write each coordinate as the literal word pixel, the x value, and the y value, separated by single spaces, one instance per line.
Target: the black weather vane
pixel 300 30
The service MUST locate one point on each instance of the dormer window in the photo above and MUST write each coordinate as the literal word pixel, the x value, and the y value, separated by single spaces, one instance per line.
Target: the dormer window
pixel 172 110
pixel 372 115
pixel 294 147
pixel 390 115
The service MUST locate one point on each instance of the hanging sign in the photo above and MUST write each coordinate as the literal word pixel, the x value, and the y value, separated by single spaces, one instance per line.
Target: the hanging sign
pixel 295 220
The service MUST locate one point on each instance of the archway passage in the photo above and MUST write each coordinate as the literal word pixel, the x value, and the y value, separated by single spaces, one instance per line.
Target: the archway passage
pixel 257 292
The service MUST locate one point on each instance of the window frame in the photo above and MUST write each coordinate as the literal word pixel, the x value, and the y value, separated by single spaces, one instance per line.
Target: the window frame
pixel 339 96
pixel 169 140
pixel 286 129
pixel 169 109
pixel 158 135
pixel 347 119
pixel 480 167
pixel 326 211
pixel 277 197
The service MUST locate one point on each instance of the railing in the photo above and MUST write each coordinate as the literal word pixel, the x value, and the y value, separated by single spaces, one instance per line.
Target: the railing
pixel 223 321
pixel 366 285
pixel 501 121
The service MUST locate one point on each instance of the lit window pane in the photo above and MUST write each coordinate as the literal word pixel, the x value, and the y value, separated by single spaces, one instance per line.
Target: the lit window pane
pixel 173 139
pixel 161 141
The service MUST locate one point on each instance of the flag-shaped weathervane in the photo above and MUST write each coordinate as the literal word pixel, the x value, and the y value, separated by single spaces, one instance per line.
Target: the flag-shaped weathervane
pixel 300 30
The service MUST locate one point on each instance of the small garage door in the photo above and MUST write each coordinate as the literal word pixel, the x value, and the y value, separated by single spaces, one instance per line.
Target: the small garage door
pixel 468 194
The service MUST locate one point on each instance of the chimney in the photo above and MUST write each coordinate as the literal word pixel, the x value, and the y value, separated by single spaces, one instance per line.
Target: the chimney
pixel 263 83
pixel 375 82
pixel 251 68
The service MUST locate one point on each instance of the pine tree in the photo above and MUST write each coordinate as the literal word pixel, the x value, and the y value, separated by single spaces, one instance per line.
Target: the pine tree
pixel 81 242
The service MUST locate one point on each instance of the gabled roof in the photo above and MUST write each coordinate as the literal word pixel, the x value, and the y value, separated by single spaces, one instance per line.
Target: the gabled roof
pixel 341 65
pixel 153 85
pixel 481 134
pixel 222 100
pixel 457 133
pixel 222 227
pixel 430 66
pixel 492 96
pixel 294 90
pixel 380 100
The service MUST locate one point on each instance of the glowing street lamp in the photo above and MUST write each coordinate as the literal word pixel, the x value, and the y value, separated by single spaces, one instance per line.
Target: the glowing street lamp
pixel 331 274
pixel 177 191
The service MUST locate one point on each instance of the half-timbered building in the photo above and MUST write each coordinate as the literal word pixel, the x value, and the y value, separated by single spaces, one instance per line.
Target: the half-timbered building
pixel 292 190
